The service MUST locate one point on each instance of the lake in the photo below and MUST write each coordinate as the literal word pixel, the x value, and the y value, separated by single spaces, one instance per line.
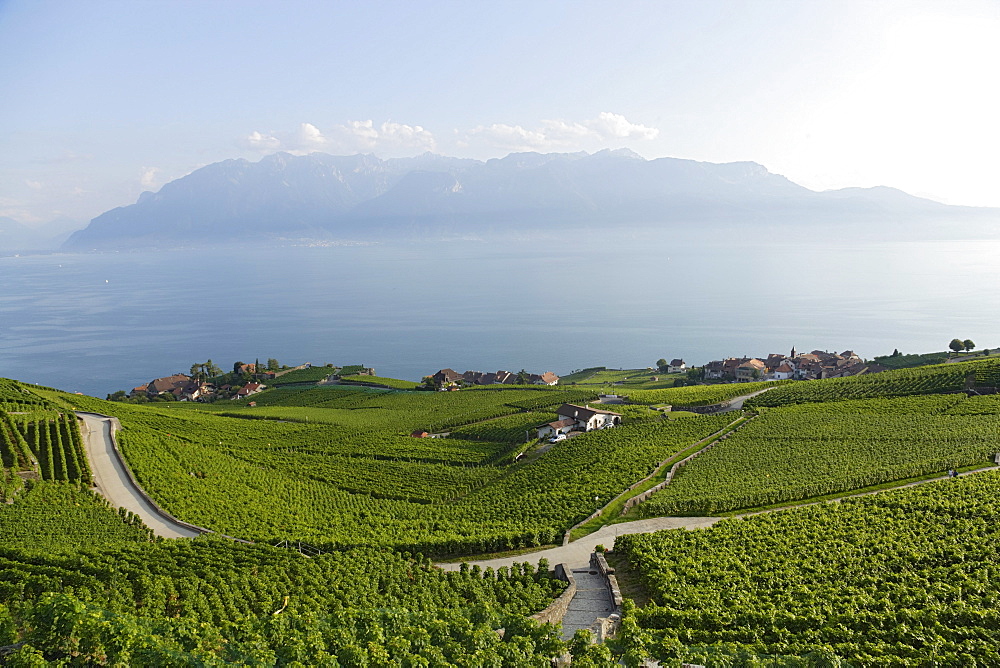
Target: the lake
pixel 96 323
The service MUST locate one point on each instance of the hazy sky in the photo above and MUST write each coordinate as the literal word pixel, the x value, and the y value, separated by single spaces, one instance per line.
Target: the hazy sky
pixel 100 100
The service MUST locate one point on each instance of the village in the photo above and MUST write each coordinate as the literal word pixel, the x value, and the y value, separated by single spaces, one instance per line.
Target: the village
pixel 573 419
pixel 207 383
pixel 817 365
pixel 249 379
pixel 449 379
pixel 181 387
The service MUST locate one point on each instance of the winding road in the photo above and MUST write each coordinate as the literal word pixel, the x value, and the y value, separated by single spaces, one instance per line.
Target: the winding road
pixel 116 485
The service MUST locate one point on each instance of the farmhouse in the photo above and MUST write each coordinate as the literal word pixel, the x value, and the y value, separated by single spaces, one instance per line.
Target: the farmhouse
pixel 676 366
pixel 248 389
pixel 579 418
pixel 752 369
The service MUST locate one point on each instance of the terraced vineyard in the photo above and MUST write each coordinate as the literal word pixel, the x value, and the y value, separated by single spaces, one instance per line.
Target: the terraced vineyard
pixel 49 517
pixel 37 436
pixel 113 593
pixel 814 449
pixel 700 395
pixel 903 382
pixel 352 476
pixel 903 578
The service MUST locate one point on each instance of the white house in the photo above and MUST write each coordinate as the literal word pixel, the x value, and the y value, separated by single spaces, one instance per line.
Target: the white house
pixel 783 372
pixel 676 366
pixel 579 418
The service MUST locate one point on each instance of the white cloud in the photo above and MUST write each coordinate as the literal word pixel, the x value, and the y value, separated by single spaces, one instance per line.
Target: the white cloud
pixel 262 142
pixel 309 138
pixel 148 177
pixel 562 134
pixel 408 136
pixel 350 137
pixel 512 137
pixel 34 185
pixel 616 126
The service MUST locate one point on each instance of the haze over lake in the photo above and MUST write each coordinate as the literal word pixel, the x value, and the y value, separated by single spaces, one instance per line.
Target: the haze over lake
pixel 95 323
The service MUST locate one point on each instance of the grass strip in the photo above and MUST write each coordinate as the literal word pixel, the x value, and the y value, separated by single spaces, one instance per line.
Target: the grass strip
pixel 611 513
pixel 837 496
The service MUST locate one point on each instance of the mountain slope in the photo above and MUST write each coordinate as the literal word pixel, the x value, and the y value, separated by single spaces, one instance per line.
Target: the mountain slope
pixel 362 197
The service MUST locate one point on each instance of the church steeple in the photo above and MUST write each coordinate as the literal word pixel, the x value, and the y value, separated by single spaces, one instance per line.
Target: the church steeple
pixel 793 352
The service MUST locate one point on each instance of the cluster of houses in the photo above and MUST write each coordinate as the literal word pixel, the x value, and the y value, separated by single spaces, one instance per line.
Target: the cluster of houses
pixel 446 378
pixel 798 366
pixel 187 388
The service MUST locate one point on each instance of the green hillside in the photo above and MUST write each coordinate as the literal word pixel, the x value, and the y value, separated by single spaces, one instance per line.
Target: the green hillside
pixel 348 473
pixel 904 578
pixel 899 578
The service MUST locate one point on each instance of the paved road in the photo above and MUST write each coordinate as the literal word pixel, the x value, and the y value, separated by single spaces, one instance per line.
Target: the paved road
pixel 114 484
pixel 736 403
pixel 577 553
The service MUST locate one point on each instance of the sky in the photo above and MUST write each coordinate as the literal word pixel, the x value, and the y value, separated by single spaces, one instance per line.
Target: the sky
pixel 101 100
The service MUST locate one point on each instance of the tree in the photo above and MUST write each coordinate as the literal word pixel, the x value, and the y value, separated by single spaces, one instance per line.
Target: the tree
pixel 661 365
pixel 237 365
pixel 272 364
pixel 968 345
pixel 522 377
pixel 956 345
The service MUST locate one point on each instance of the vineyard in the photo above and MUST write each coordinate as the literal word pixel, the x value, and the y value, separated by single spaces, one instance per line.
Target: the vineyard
pixel 212 601
pixel 903 382
pixel 903 578
pixel 37 437
pixel 50 517
pixel 815 449
pixel 700 395
pixel 359 479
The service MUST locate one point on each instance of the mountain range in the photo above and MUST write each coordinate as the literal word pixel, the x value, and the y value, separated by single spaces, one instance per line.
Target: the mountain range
pixel 16 236
pixel 361 197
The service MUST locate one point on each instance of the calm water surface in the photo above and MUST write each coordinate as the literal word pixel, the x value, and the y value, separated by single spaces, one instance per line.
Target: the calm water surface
pixel 99 322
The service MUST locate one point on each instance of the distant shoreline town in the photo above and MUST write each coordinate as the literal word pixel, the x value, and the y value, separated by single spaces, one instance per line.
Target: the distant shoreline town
pixel 206 382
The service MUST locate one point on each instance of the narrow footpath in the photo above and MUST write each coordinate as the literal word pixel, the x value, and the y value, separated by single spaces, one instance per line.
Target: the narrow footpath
pixel 591 602
pixel 577 554
pixel 114 483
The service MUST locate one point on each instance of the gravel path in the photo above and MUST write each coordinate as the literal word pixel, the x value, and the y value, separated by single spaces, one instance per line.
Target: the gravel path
pixel 114 484
pixel 577 553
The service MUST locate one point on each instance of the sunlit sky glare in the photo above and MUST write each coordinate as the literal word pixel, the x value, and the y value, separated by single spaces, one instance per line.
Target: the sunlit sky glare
pixel 100 100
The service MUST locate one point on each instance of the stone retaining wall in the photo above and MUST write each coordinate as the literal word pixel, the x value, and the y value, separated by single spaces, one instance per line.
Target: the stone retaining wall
pixel 639 498
pixel 556 610
pixel 607 627
pixel 703 410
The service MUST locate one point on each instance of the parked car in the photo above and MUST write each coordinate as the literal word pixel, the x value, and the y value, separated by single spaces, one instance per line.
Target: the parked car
pixel 557 438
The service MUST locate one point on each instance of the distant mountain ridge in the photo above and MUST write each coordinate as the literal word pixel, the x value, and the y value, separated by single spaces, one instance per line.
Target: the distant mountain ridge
pixel 15 236
pixel 320 196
